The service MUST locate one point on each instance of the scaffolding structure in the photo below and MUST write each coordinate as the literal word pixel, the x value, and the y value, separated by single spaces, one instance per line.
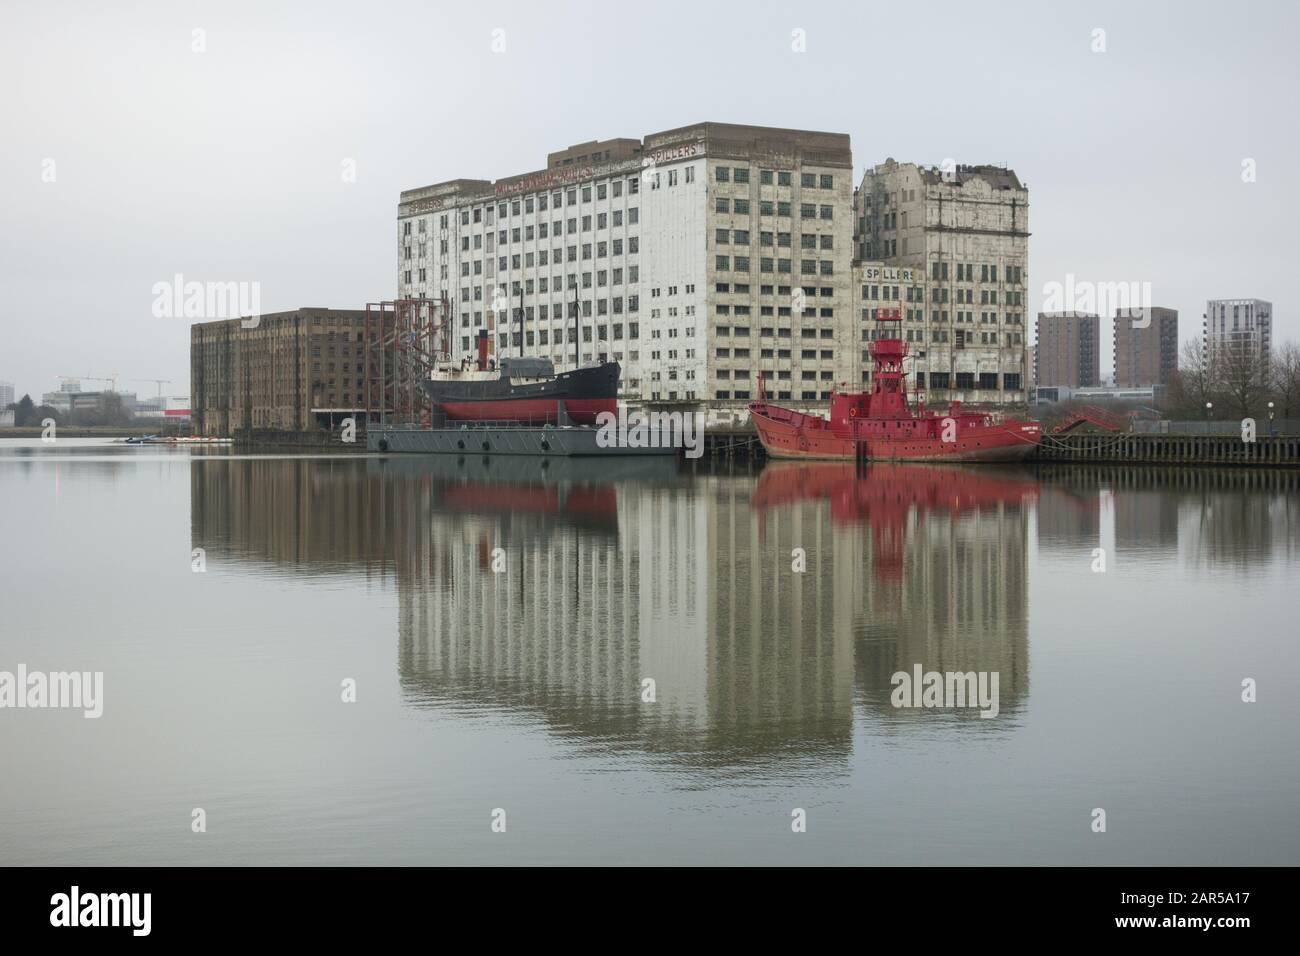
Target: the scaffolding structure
pixel 405 341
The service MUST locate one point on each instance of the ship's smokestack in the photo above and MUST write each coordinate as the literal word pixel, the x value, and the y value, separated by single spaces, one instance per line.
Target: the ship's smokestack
pixel 482 350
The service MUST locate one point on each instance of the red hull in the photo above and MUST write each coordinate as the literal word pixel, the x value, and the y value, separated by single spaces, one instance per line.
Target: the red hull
pixel 529 411
pixel 787 434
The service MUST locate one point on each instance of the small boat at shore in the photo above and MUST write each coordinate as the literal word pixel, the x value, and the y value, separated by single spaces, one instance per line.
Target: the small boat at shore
pixel 881 425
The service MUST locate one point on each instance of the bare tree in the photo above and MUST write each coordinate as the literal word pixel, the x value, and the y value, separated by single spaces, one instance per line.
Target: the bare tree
pixel 1243 374
pixel 1286 378
pixel 1196 381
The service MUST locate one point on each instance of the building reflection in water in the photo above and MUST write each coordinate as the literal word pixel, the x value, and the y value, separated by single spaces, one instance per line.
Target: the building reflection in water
pixel 930 569
pixel 1209 518
pixel 550 590
pixel 301 516
pixel 553 589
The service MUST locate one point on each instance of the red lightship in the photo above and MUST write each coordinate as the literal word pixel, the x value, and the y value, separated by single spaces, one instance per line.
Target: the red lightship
pixel 882 425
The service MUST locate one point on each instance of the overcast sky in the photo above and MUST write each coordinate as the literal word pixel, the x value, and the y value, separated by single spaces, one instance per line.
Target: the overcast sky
pixel 226 163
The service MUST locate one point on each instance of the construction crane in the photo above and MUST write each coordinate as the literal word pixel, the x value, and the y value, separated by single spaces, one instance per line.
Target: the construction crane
pixel 112 382
pixel 160 382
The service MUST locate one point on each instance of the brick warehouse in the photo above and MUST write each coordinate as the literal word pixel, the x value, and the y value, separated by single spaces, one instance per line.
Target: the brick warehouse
pixel 296 370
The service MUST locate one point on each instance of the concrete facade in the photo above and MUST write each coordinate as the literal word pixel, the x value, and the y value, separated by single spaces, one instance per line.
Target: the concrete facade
pixel 967 230
pixel 295 370
pixel 1145 354
pixel 1067 350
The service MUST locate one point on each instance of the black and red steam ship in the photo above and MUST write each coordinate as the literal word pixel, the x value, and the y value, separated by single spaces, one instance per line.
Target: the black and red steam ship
pixel 523 390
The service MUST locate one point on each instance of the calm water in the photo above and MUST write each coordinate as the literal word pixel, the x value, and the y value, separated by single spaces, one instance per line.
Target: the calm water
pixel 521 689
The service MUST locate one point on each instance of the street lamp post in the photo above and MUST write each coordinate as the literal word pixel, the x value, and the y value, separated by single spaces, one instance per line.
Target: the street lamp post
pixel 1271 431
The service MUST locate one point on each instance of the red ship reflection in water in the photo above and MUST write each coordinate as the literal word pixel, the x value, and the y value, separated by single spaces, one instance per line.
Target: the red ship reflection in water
pixel 884 495
pixel 513 502
pixel 597 504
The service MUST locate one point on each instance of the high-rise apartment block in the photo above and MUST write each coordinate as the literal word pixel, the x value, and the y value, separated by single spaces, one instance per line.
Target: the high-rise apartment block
pixel 1067 350
pixel 1239 324
pixel 1145 346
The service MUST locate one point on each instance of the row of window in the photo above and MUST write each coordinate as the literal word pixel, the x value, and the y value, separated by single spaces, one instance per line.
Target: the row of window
pixel 512 339
pixel 740 288
pixel 543 285
pixel 812 355
pixel 916 293
pixel 807 375
pixel 781 333
pixel 988 273
pixel 822 267
pixel 529 204
pixel 541 230
pixel 740 174
pixel 941 315
pixel 743 395
pixel 614 188
pixel 543 256
pixel 672 176
pixel 672 354
pixel 601 250
pixel 671 396
pixel 742 207
pixel 784 311
pixel 742 331
pixel 960 337
pixel 969 380
pixel 568 310
pixel 741 237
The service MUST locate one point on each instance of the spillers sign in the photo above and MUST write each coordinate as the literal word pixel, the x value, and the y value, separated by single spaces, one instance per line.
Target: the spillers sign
pixel 886 274
pixel 671 154
pixel 416 207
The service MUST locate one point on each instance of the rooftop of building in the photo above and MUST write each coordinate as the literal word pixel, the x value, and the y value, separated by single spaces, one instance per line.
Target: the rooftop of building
pixel 998 177
pixel 268 318
pixel 585 160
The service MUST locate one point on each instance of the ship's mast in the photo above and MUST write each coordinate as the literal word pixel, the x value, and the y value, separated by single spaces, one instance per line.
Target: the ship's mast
pixel 577 338
pixel 888 380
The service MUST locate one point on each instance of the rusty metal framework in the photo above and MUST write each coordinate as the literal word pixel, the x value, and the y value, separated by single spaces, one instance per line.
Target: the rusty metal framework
pixel 405 340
